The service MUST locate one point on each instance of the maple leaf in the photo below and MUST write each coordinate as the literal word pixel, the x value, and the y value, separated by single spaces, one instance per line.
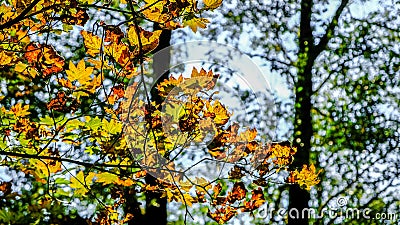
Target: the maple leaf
pixel 282 155
pixel 236 172
pixel 6 59
pixel 92 43
pixel 106 178
pixel 217 189
pixel 32 53
pixel 45 168
pixel 223 214
pixel 7 13
pixel 80 182
pixel 44 58
pixel 248 135
pixel 119 52
pixel 93 123
pixel 165 87
pixel 65 83
pixel 186 185
pixel 113 34
pixel 238 192
pixel 212 4
pixel 257 199
pixel 51 58
pixel 77 16
pixel 187 199
pixel 202 184
pixel 19 110
pixel 81 73
pixel 175 195
pixel 127 182
pixel 148 40
pixel 174 110
pixel 206 127
pixel 113 126
pixel 195 22
pixel 153 11
pixel 306 178
pixel 217 112
pixel 59 103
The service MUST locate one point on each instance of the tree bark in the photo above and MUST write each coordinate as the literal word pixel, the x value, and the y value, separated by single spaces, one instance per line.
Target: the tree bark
pixel 298 198
pixel 308 52
pixel 156 206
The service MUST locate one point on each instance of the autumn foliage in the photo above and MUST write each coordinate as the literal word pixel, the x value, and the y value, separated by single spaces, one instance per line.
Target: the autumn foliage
pixel 95 132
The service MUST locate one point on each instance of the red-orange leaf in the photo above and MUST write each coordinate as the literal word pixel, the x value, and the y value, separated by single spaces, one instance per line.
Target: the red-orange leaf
pixel 238 192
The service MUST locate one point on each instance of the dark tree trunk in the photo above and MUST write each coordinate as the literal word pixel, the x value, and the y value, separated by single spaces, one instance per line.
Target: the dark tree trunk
pixel 308 52
pixel 156 206
pixel 298 198
pixel 133 206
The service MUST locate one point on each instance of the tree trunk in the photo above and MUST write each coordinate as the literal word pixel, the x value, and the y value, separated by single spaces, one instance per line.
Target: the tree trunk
pixel 298 198
pixel 156 206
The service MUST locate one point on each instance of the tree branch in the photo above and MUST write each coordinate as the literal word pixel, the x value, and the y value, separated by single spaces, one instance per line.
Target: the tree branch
pixel 20 16
pixel 59 159
pixel 331 27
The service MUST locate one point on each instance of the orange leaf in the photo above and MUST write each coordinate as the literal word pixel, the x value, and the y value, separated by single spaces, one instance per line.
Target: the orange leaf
pixel 222 215
pixel 238 192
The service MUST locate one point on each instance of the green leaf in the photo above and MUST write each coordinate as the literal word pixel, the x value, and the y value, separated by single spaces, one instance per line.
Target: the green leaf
pixel 93 123
pixel 112 127
pixel 61 180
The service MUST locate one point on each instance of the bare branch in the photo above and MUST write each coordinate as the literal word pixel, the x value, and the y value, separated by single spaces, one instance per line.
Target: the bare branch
pixel 331 27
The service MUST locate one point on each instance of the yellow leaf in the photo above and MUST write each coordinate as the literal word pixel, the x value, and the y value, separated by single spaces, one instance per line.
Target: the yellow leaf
pixel 174 110
pixel 79 73
pixel 20 111
pixel 32 71
pixel 92 43
pixel 194 23
pixel 187 199
pixel 307 177
pixel 119 52
pixel 112 127
pixel 206 127
pixel 45 168
pixel 106 178
pixel 6 59
pixel 6 13
pixel 148 40
pixel 20 67
pixel 165 87
pixel 153 11
pixel 186 185
pixel 248 135
pixel 80 182
pixel 202 184
pixel 212 4
pixel 218 112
